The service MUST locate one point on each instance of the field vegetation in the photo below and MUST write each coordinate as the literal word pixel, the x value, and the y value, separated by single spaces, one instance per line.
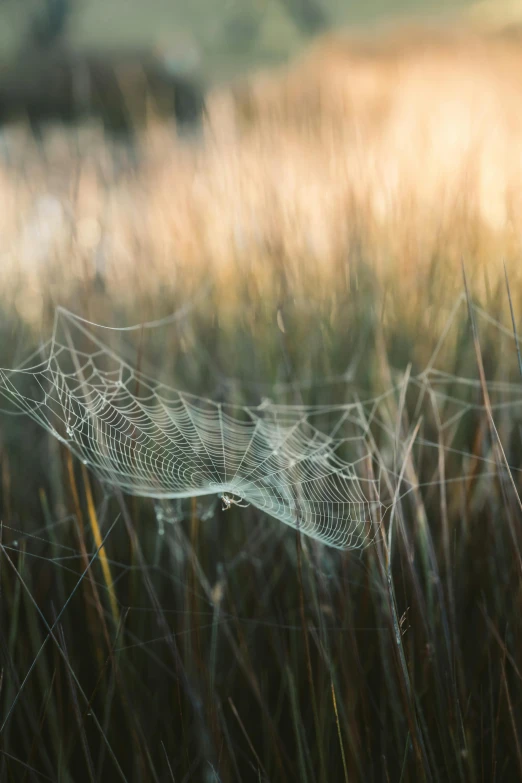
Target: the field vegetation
pixel 317 249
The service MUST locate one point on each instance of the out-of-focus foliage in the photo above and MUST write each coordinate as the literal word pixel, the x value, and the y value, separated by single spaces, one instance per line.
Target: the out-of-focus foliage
pixel 229 35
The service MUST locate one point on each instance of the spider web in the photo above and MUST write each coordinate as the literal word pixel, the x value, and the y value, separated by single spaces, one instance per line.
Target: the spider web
pixel 311 467
pixel 151 440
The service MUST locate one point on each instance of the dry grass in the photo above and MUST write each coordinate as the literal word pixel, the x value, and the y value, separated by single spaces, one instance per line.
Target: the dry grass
pixel 403 148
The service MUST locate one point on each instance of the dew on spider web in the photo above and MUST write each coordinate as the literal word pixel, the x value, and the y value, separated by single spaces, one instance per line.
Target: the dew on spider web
pixel 307 467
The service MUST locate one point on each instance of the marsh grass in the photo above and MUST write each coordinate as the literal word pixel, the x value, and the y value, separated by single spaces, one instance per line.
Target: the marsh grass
pixel 228 648
pixel 224 649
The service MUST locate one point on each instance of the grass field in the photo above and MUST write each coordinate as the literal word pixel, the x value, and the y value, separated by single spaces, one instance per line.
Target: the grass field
pixel 176 642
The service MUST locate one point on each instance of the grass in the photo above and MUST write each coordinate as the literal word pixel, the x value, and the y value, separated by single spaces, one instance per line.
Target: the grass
pixel 228 648
pixel 225 649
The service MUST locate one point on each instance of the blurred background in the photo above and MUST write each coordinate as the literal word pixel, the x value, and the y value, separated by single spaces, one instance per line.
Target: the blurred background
pixel 227 36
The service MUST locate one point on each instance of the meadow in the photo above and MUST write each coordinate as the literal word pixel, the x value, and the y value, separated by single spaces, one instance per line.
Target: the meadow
pixel 316 251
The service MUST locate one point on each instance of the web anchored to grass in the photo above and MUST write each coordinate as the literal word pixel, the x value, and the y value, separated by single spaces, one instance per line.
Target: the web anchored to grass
pixel 311 467
pixel 154 441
